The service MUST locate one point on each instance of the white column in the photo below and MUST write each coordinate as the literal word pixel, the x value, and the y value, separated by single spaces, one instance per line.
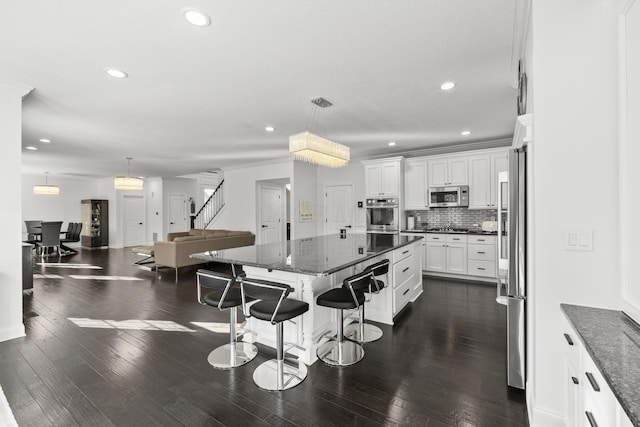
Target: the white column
pixel 11 325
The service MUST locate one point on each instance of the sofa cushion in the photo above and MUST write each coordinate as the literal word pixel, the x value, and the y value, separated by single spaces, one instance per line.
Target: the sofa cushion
pixel 214 236
pixel 208 232
pixel 187 238
pixel 195 232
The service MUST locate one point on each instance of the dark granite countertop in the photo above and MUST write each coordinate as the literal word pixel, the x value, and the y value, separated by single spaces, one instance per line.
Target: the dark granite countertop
pixel 613 341
pixel 319 256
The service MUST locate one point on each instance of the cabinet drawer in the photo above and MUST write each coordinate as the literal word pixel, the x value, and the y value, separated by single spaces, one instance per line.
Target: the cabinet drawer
pixel 441 238
pixel 403 270
pixel 596 390
pixel 571 344
pixel 402 253
pixel 456 238
pixel 483 240
pixel 481 268
pixel 481 252
pixel 401 295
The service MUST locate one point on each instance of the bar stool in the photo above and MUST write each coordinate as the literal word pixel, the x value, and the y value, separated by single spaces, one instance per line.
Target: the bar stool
pixel 337 351
pixel 274 306
pixel 365 332
pixel 226 296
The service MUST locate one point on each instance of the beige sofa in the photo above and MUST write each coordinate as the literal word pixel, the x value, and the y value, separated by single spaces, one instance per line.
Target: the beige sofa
pixel 176 250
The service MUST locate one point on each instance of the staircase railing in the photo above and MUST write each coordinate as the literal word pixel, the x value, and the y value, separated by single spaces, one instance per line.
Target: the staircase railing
pixel 210 209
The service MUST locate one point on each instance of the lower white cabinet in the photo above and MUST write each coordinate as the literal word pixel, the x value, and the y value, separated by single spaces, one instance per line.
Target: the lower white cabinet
pixel 589 401
pixel 446 253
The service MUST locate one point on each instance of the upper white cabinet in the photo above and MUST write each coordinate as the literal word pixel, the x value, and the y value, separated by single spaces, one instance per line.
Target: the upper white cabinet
pixel 483 178
pixel 447 171
pixel 383 177
pixel 416 184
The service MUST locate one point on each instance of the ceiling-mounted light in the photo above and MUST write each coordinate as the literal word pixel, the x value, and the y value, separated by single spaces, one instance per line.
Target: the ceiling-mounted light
pixel 447 85
pixel 45 141
pixel 114 72
pixel 30 147
pixel 269 129
pixel 465 132
pixel 197 18
pixel 312 148
pixel 46 189
pixel 391 144
pixel 128 182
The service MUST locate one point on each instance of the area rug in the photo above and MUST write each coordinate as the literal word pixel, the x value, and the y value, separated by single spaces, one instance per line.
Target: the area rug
pixel 6 416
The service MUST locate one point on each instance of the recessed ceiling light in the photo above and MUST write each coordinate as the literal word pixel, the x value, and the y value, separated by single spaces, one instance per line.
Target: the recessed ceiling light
pixel 114 72
pixel 465 132
pixel 45 141
pixel 196 18
pixel 447 85
pixel 269 128
pixel 31 148
pixel 392 144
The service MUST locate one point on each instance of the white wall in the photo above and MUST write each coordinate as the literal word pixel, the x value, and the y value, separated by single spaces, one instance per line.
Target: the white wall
pixel 239 212
pixel 63 207
pixel 574 167
pixel 304 187
pixel 352 174
pixel 10 216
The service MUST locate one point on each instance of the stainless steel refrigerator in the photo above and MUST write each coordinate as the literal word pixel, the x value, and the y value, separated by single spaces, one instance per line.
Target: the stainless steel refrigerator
pixel 512 267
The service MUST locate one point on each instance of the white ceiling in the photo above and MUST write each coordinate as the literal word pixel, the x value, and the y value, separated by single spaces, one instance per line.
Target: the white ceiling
pixel 199 98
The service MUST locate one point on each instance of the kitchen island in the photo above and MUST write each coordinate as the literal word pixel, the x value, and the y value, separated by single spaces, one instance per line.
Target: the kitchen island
pixel 314 265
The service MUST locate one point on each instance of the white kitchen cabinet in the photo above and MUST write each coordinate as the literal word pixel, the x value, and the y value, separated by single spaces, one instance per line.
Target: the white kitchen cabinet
pixel 589 400
pixel 416 184
pixel 446 253
pixel 483 178
pixel 482 255
pixel 447 171
pixel 383 177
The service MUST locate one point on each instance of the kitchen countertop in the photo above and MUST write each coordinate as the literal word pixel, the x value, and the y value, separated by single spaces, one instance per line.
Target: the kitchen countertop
pixel 423 231
pixel 318 256
pixel 613 341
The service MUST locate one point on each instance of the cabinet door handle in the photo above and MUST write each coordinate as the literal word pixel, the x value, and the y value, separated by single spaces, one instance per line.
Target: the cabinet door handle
pixel 568 338
pixel 592 420
pixel 575 380
pixel 593 381
pixel 481 252
pixel 405 252
pixel 481 268
pixel 480 240
pixel 455 239
pixel 405 270
pixel 405 292
pixel 435 238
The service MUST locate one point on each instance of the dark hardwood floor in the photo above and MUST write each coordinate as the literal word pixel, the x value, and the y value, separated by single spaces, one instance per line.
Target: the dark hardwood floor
pixel 442 364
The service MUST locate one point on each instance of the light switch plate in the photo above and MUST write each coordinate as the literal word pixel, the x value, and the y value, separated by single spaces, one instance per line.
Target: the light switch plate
pixel 579 240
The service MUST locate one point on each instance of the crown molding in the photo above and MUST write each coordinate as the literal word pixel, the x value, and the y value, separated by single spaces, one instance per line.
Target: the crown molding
pixel 17 89
pixel 520 30
pixel 621 6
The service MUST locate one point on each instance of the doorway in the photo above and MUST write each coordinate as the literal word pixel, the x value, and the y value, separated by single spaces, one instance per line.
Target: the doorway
pixel 338 206
pixel 134 218
pixel 271 221
pixel 177 213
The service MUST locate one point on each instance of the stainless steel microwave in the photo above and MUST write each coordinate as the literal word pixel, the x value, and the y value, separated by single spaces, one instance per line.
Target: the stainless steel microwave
pixel 448 197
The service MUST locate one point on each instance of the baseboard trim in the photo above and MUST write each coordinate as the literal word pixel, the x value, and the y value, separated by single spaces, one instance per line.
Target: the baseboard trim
pixel 13 332
pixel 542 417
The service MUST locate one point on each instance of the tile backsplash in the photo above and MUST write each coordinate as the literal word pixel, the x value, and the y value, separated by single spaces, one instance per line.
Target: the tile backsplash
pixel 456 217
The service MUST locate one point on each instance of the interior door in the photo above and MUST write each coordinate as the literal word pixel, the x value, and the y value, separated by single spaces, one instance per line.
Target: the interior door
pixel 271 218
pixel 134 218
pixel 338 208
pixel 177 213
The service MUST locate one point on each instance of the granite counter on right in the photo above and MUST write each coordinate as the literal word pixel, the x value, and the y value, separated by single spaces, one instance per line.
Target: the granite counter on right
pixel 602 358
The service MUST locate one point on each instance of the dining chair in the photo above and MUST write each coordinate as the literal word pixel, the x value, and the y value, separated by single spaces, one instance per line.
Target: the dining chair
pixel 50 236
pixel 33 231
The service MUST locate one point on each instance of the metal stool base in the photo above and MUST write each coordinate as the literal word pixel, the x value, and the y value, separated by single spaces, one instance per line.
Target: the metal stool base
pixel 231 356
pixel 266 375
pixel 338 353
pixel 371 333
